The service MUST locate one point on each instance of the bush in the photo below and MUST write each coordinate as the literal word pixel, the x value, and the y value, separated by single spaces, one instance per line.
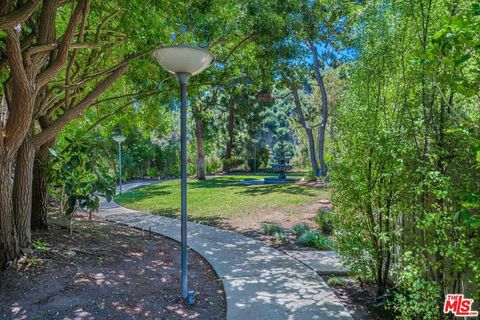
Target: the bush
pixel 415 297
pixel 324 221
pixel 212 165
pixel 310 176
pixel 280 236
pixel 314 239
pixel 40 245
pixel 300 229
pixel 251 163
pixel 336 281
pixel 270 229
pixel 233 163
pixel 152 172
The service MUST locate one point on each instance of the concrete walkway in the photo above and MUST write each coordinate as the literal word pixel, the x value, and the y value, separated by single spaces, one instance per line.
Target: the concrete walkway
pixel 259 281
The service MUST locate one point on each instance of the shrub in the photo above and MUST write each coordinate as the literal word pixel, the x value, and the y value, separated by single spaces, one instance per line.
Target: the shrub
pixel 300 229
pixel 40 245
pixel 212 165
pixel 269 229
pixel 336 281
pixel 310 176
pixel 415 297
pixel 314 239
pixel 152 172
pixel 324 221
pixel 280 236
pixel 230 164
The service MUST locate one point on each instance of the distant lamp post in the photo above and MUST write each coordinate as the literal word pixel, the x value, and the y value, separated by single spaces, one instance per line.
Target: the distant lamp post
pixel 119 139
pixel 184 62
pixel 255 142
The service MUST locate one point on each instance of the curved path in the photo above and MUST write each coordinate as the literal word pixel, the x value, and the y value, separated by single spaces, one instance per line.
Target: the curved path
pixel 259 281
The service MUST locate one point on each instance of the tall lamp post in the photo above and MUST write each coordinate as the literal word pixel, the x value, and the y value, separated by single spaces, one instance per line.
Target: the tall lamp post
pixel 184 62
pixel 119 139
pixel 254 141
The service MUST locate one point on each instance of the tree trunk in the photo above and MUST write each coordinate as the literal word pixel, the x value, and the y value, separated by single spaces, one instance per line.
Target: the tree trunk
pixel 231 127
pixel 22 192
pixel 323 124
pixel 199 135
pixel 308 130
pixel 40 188
pixel 8 237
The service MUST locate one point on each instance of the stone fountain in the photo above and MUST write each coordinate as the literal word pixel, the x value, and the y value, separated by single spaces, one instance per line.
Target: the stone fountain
pixel 281 166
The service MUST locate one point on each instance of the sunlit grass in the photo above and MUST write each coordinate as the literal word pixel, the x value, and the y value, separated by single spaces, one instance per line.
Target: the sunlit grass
pixel 220 197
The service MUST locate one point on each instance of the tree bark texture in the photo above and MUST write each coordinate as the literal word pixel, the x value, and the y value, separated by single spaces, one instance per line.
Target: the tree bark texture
pixel 323 124
pixel 230 130
pixel 199 136
pixel 9 250
pixel 40 188
pixel 30 71
pixel 308 130
pixel 22 192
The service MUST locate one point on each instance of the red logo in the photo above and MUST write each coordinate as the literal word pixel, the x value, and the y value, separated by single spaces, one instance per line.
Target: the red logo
pixel 459 306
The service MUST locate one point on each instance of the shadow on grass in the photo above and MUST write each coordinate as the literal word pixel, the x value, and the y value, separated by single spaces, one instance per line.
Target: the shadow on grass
pixel 212 221
pixel 259 190
pixel 143 192
pixel 217 182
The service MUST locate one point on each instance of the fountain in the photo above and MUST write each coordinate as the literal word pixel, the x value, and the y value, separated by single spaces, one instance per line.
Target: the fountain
pixel 281 166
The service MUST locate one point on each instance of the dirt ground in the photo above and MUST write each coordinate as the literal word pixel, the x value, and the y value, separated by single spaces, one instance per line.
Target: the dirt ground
pixel 359 299
pixel 106 271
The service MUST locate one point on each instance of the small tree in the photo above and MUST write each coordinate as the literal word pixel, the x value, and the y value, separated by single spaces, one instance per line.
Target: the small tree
pixel 78 182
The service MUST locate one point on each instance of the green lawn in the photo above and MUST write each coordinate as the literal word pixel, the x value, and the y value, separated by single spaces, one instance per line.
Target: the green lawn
pixel 224 200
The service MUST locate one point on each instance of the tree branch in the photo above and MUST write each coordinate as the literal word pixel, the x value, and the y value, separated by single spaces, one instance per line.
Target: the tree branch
pixel 17 17
pixel 61 57
pixel 50 132
pixel 238 45
pixel 15 61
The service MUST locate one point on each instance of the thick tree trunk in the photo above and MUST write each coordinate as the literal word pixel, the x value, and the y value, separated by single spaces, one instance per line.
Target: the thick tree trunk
pixel 199 135
pixel 22 192
pixel 40 188
pixel 231 127
pixel 308 130
pixel 9 250
pixel 323 124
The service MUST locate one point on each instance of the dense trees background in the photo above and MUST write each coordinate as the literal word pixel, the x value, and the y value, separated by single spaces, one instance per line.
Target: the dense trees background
pixel 381 97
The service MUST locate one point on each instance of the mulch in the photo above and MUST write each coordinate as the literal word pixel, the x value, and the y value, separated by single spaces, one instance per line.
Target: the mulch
pixel 106 271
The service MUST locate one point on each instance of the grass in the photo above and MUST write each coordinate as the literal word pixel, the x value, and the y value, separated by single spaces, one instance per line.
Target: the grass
pixel 221 198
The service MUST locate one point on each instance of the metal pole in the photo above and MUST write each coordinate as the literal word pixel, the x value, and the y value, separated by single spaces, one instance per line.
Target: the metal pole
pixel 120 165
pixel 183 79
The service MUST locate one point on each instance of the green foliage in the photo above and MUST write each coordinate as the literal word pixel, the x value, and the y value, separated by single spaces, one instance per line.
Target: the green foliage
pixel 40 245
pixel 300 229
pixel 213 165
pixel 324 220
pixel 269 229
pixel 336 281
pixel 314 239
pixel 403 174
pixel 77 179
pixel 414 297
pixel 311 176
pixel 32 261
pixel 233 163
pixel 152 172
pixel 279 236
